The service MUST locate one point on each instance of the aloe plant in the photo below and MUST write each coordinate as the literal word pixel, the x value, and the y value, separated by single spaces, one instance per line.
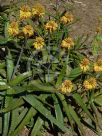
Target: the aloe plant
pixel 31 80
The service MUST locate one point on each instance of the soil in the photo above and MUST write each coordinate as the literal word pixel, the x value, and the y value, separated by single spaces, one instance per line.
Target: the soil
pixel 88 11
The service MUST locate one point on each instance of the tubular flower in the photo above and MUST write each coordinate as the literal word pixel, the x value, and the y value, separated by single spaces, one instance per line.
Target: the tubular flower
pixel 25 12
pixel 38 10
pixel 39 43
pixel 28 30
pixel 67 18
pixel 13 29
pixel 98 66
pixel 67 43
pixel 84 65
pixel 66 86
pixel 90 83
pixel 51 26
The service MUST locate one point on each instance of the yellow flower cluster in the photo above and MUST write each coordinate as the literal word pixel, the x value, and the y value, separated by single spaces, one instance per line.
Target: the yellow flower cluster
pixel 66 86
pixel 38 10
pixel 67 18
pixel 84 65
pixel 90 83
pixel 28 30
pixel 39 43
pixel 51 26
pixel 67 43
pixel 98 29
pixel 25 12
pixel 98 66
pixel 13 29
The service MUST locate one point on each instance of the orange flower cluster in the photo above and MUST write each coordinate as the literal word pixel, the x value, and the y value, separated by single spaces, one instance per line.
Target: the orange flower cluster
pixel 66 86
pixel 84 65
pixel 51 26
pixel 13 29
pixel 26 12
pixel 39 43
pixel 67 43
pixel 28 30
pixel 90 83
pixel 98 66
pixel 67 18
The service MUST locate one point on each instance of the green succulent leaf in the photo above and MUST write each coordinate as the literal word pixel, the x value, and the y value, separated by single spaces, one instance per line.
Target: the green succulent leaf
pixel 76 119
pixel 98 100
pixel 18 79
pixel 31 112
pixel 58 110
pixel 95 47
pixel 4 41
pixel 13 105
pixel 66 108
pixel 3 85
pixel 37 126
pixel 44 111
pixel 80 102
pixel 2 65
pixel 16 121
pixel 6 124
pixel 10 65
pixel 75 73
pixel 61 76
pixel 6 120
